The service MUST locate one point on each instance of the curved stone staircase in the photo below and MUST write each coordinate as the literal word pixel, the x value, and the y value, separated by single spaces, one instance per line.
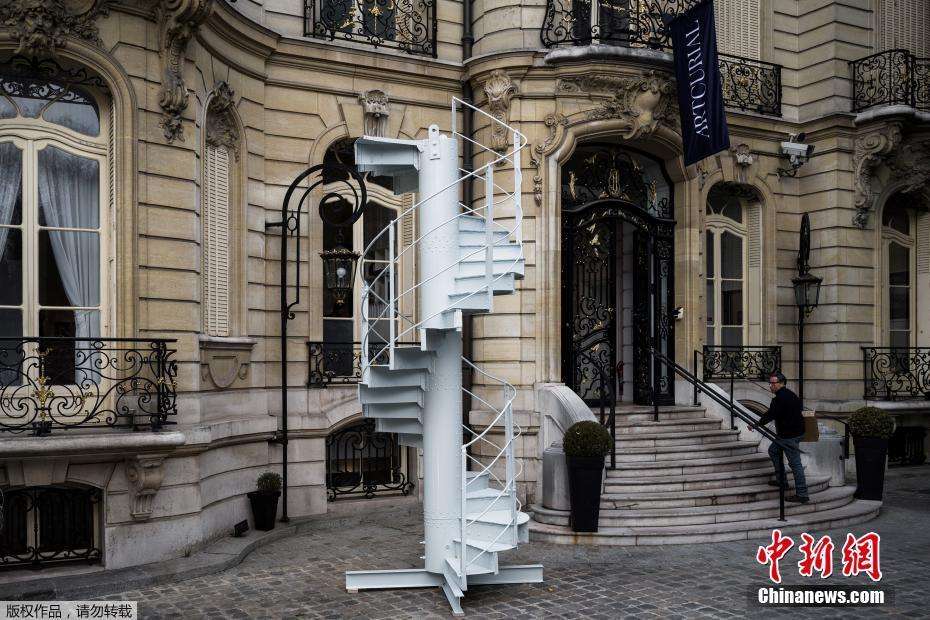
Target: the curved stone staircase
pixel 687 478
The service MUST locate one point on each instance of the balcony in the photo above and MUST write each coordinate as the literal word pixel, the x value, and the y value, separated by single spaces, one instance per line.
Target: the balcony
pixel 407 26
pixel 892 77
pixel 53 384
pixel 748 85
pixel 739 363
pixel 896 373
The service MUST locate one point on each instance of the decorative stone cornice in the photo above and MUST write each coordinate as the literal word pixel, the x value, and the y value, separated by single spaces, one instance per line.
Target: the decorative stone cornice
pixel 221 127
pixel 642 101
pixel 870 150
pixel 145 475
pixel 376 109
pixel 41 27
pixel 179 21
pixel 499 89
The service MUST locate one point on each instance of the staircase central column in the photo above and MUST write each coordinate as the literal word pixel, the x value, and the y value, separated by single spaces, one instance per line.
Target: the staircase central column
pixel 442 411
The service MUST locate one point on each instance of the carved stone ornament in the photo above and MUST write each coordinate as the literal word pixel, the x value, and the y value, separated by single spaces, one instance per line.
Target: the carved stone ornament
pixel 145 475
pixel 376 109
pixel 870 151
pixel 40 27
pixel 224 360
pixel 179 21
pixel 499 89
pixel 221 126
pixel 742 154
pixel 642 101
pixel 553 122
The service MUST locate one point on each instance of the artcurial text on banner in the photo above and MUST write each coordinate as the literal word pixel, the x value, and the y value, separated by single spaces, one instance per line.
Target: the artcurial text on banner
pixel 700 97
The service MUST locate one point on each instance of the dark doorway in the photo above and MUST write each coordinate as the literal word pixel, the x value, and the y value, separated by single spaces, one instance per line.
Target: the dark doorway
pixel 617 275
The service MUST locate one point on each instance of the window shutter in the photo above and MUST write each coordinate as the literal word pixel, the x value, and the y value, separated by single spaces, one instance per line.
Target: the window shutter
pixel 738 27
pixel 923 243
pixel 216 241
pixel 754 224
pixel 905 24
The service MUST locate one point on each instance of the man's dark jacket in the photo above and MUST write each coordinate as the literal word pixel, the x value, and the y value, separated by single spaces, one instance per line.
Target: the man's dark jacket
pixel 786 411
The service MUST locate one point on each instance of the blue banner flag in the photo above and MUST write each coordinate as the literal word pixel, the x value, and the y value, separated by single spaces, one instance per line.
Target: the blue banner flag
pixel 700 96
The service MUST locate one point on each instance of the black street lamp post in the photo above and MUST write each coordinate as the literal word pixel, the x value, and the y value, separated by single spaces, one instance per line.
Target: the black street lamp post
pixel 338 265
pixel 806 294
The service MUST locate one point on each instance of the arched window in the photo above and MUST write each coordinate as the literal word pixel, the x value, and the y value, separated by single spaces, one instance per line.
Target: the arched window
pixel 726 256
pixel 54 224
pixel 899 267
pixel 219 201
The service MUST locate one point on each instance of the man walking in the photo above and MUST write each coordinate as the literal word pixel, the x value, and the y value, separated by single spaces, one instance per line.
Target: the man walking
pixel 789 427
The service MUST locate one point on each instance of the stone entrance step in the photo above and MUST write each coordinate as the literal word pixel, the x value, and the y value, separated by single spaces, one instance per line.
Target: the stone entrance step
pixel 851 513
pixel 629 414
pixel 683 438
pixel 700 497
pixel 682 482
pixel 681 453
pixel 679 425
pixel 829 498
pixel 708 463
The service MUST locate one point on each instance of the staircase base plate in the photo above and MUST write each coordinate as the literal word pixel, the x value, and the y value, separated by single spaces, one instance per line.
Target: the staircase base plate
pixel 421 578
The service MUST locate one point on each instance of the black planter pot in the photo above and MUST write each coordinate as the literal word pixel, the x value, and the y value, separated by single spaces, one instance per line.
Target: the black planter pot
pixel 264 508
pixel 871 456
pixel 585 474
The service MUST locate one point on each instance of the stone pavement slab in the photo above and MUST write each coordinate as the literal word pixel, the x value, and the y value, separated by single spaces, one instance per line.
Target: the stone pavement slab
pixel 303 576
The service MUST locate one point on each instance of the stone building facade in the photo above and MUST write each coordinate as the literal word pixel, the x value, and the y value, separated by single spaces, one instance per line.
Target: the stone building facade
pixel 196 115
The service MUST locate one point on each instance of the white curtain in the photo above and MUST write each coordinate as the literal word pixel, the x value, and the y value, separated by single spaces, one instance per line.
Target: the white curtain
pixel 11 171
pixel 69 196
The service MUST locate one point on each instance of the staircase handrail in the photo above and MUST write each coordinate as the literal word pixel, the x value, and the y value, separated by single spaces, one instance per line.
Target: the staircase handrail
pixel 734 411
pixel 610 397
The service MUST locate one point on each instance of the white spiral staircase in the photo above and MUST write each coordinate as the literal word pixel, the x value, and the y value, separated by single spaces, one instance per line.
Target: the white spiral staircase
pixel 411 376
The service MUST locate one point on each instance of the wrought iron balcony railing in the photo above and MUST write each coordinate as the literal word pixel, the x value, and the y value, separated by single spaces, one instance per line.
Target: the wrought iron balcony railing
pixel 361 462
pixel 48 384
pixel 406 25
pixel 748 85
pixel 739 363
pixel 891 77
pixel 896 373
pixel 339 363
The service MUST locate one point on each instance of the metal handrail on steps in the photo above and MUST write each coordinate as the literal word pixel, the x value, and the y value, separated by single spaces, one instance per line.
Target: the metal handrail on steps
pixel 731 406
pixel 608 405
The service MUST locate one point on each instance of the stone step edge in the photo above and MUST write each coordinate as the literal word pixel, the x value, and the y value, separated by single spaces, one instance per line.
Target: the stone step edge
pixel 694 493
pixel 683 478
pixel 857 511
pixel 829 494
pixel 723 445
pixel 702 462
pixel 675 435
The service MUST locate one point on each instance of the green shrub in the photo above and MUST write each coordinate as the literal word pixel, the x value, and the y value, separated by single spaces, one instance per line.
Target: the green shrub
pixel 269 481
pixel 871 422
pixel 587 439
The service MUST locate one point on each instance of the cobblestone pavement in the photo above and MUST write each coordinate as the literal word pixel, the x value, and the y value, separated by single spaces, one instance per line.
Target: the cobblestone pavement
pixel 302 577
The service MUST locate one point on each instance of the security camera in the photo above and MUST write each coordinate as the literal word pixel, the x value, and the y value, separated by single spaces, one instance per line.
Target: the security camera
pixel 797 153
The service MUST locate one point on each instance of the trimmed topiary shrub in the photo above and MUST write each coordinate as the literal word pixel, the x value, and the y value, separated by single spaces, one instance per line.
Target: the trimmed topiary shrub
pixel 871 422
pixel 587 439
pixel 269 481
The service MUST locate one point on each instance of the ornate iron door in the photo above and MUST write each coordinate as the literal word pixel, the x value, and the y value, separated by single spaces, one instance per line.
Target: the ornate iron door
pixel 591 247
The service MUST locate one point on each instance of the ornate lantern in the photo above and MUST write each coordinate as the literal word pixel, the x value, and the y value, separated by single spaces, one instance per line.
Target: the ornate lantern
pixel 806 291
pixel 339 272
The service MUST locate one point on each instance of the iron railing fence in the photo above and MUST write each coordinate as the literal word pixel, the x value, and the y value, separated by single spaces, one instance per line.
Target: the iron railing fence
pixel 408 26
pixel 896 373
pixel 52 383
pixel 340 363
pixel 748 85
pixel 361 462
pixel 891 77
pixel 47 525
pixel 742 363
